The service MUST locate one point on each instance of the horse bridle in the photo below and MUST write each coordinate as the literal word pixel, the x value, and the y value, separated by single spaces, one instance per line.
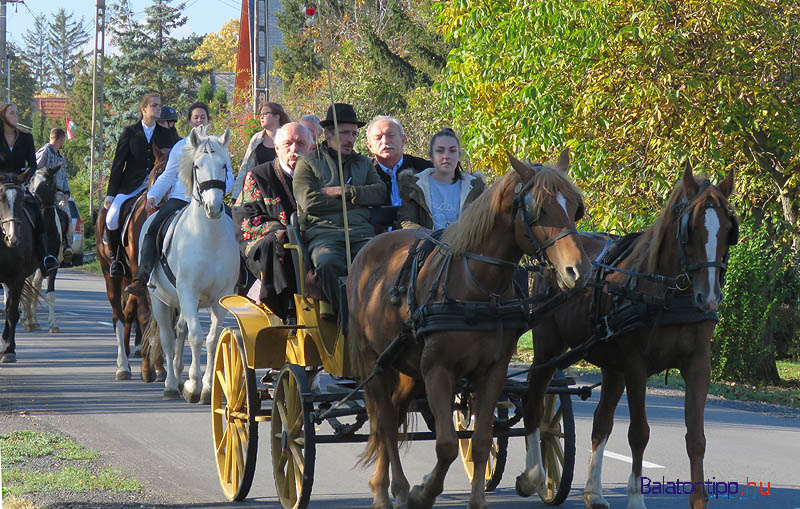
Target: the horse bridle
pixel 11 219
pixel 683 212
pixel 524 203
pixel 200 187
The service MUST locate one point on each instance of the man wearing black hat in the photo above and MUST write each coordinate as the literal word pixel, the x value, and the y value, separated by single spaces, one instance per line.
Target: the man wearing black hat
pixel 318 191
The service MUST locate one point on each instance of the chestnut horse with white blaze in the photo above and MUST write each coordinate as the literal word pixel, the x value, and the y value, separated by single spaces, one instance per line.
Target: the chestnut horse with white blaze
pixel 657 299
pixel 530 210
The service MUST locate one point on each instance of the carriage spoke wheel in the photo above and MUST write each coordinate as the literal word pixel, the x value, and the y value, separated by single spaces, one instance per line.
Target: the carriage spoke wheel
pixel 293 447
pixel 234 405
pixel 496 462
pixel 557 433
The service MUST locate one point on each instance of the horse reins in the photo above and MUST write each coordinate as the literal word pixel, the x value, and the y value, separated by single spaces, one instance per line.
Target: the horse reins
pixel 200 187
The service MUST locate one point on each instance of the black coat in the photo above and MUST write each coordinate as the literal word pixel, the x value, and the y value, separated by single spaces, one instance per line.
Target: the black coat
pixel 260 225
pixel 416 164
pixel 134 157
pixel 21 158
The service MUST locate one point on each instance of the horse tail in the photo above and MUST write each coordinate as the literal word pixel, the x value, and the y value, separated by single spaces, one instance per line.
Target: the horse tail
pixel 151 342
pixel 30 293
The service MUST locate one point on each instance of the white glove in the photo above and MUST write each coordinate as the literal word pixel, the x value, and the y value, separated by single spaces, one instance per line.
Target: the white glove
pixel 107 202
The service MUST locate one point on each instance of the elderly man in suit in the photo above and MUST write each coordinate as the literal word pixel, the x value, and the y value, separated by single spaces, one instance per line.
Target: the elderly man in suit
pixel 132 163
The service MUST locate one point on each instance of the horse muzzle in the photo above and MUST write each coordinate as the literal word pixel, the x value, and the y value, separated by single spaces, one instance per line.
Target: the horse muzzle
pixel 213 211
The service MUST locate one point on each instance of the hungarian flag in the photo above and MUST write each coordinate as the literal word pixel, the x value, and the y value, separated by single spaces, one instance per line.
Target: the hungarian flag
pixel 70 126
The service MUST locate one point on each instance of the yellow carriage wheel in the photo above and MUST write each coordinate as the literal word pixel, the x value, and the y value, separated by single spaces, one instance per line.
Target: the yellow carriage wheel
pixel 234 406
pixel 293 438
pixel 557 435
pixel 464 420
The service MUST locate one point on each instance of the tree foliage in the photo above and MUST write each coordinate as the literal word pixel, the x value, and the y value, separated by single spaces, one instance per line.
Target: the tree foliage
pixel 151 58
pixel 217 51
pixel 64 38
pixel 35 52
pixel 23 86
pixel 635 88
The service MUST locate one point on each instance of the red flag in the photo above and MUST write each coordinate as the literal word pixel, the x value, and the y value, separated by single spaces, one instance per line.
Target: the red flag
pixel 70 126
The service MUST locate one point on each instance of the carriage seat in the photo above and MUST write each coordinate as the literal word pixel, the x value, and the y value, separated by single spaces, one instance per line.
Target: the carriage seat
pixel 307 281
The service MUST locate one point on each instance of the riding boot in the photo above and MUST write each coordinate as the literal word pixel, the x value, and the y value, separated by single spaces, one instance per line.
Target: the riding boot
pixel 117 269
pixel 146 261
pixel 67 251
pixel 49 262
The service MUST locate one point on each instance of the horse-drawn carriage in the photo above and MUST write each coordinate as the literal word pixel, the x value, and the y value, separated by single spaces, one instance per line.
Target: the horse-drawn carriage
pixel 304 406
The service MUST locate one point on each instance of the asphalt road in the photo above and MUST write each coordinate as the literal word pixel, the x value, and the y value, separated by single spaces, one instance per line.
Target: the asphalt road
pixel 66 381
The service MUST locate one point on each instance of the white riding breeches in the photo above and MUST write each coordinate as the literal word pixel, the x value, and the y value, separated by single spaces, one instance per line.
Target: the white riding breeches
pixel 112 216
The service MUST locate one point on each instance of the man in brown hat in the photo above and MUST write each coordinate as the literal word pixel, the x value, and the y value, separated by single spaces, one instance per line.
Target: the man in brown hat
pixel 318 191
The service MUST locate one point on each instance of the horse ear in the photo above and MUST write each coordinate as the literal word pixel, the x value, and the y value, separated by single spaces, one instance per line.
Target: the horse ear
pixel 23 177
pixel 690 187
pixel 194 140
pixel 563 161
pixel 726 186
pixel 521 168
pixel 226 137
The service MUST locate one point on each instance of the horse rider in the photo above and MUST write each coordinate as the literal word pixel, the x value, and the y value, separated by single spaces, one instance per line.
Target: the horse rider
pixel 133 160
pixel 318 191
pixel 385 140
pixel 18 156
pixel 262 213
pixel 168 182
pixel 167 120
pixel 49 157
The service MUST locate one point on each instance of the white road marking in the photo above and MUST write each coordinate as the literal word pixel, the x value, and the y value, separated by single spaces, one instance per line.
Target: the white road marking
pixel 109 324
pixel 628 459
pixel 70 313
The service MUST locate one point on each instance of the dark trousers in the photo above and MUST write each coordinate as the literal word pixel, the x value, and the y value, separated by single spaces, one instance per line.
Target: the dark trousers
pixel 330 262
pixel 147 251
pixel 30 202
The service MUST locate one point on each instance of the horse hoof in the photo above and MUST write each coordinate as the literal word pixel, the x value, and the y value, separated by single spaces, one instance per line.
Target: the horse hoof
pixel 8 358
pixel 54 330
pixel 171 394
pixel 524 486
pixel 416 499
pixel 161 376
pixel 190 397
pixel 205 397
pixel 148 376
pixel 123 374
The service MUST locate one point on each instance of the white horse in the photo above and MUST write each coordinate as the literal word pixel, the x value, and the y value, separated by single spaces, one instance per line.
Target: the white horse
pixel 204 257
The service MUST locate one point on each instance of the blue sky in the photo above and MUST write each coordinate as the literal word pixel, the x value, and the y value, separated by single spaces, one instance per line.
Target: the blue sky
pixel 204 15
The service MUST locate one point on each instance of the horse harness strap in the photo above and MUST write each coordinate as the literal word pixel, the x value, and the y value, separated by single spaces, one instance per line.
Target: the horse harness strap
pixel 163 240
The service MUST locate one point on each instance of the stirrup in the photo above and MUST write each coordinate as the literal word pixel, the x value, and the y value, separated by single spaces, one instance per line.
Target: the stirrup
pixel 50 263
pixel 116 269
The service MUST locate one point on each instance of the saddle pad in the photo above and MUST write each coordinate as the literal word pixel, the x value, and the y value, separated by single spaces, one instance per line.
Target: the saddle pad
pixel 167 230
pixel 126 212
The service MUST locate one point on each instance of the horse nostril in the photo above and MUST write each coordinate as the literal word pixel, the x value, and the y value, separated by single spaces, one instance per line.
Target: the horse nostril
pixel 572 273
pixel 700 299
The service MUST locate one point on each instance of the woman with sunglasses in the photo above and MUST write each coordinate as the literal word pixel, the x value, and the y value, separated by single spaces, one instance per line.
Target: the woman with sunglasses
pixel 261 148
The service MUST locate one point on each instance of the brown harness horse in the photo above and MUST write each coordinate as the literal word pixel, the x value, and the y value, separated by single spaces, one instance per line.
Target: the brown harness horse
pixel 128 309
pixel 656 306
pixel 531 210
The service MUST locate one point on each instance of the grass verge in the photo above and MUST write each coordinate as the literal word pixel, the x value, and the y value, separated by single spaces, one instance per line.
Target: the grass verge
pixel 93 267
pixel 35 462
pixel 786 393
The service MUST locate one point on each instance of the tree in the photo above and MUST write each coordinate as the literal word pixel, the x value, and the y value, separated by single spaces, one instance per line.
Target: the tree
pixel 63 40
pixel 36 51
pixel 23 86
pixel 218 50
pixel 151 58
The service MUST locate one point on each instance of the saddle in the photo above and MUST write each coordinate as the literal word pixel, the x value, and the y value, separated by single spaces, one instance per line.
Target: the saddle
pixel 163 240
pixel 126 213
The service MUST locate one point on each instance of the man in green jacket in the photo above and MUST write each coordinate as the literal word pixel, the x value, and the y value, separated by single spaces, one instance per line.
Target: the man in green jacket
pixel 318 192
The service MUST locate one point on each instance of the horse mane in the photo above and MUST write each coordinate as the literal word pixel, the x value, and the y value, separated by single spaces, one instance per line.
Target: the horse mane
pixel 189 155
pixel 469 233
pixel 647 248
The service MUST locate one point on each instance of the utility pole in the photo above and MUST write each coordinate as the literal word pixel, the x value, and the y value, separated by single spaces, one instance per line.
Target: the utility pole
pixel 260 47
pixel 96 147
pixel 5 65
